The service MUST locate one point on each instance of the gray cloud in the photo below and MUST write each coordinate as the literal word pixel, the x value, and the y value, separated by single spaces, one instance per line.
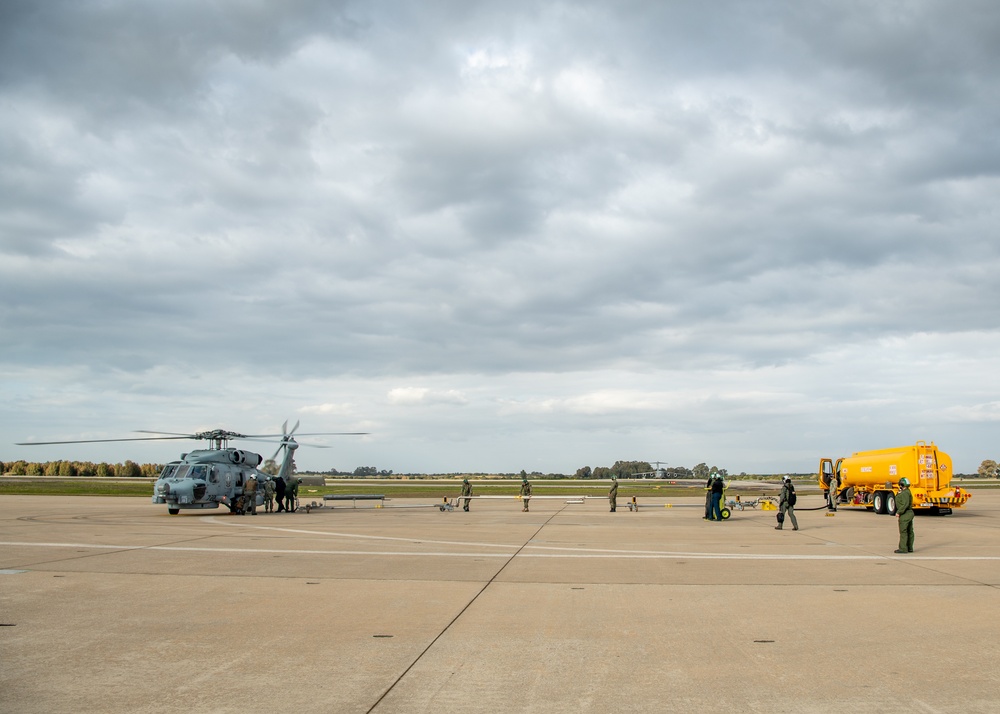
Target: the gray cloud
pixel 490 232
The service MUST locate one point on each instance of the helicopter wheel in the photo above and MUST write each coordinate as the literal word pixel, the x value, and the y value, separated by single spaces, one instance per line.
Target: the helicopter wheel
pixel 173 511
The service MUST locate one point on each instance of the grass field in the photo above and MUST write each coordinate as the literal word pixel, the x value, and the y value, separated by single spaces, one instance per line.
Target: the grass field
pixel 388 488
pixel 413 489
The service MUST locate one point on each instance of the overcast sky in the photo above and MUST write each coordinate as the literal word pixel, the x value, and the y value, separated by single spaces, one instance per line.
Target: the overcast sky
pixel 502 235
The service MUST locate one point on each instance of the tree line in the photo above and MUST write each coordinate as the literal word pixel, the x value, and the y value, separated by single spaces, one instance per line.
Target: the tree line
pixel 643 469
pixel 129 469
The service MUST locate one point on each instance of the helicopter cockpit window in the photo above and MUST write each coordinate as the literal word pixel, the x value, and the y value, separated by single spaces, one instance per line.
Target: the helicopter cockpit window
pixel 181 471
pixel 168 471
pixel 200 471
pixel 213 476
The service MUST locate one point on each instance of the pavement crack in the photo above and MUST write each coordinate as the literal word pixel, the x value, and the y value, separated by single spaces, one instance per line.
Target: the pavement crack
pixel 462 611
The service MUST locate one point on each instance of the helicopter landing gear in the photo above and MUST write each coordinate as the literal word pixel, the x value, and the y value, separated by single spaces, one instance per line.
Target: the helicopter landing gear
pixel 173 511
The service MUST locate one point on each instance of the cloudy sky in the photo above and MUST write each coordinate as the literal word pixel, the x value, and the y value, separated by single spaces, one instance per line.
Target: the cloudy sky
pixel 502 235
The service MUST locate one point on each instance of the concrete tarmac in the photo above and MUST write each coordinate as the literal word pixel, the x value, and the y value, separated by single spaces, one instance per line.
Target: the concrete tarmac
pixel 112 605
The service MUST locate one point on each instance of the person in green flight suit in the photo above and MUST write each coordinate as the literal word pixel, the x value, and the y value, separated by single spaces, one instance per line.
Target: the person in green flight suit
pixel 466 491
pixel 525 493
pixel 786 505
pixel 904 512
pixel 613 493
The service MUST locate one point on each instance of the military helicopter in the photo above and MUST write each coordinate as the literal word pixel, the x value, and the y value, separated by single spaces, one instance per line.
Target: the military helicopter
pixel 213 477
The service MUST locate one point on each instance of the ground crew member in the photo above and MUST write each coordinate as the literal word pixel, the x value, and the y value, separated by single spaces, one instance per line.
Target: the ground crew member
pixel 280 486
pixel 904 512
pixel 292 495
pixel 525 492
pixel 269 495
pixel 613 493
pixel 250 495
pixel 718 486
pixel 466 491
pixel 832 495
pixel 786 504
pixel 708 497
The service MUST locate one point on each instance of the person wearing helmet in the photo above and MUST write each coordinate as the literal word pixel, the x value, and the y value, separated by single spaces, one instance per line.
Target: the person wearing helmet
pixel 718 486
pixel 525 492
pixel 250 495
pixel 708 497
pixel 832 492
pixel 613 493
pixel 786 504
pixel 466 491
pixel 269 495
pixel 904 513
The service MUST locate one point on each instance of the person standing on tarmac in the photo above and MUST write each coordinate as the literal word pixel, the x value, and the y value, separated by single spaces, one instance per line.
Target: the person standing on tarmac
pixel 613 493
pixel 708 497
pixel 525 492
pixel 786 504
pixel 269 495
pixel 718 486
pixel 832 493
pixel 250 495
pixel 904 512
pixel 280 486
pixel 466 491
pixel 292 495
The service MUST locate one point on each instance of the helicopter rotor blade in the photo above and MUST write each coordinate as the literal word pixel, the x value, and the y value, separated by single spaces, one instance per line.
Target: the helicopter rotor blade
pixel 99 441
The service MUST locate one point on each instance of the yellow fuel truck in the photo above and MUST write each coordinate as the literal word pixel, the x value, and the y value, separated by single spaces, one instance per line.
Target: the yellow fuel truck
pixel 870 479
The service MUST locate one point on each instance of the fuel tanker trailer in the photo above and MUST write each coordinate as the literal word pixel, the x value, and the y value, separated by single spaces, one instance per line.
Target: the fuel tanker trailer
pixel 870 479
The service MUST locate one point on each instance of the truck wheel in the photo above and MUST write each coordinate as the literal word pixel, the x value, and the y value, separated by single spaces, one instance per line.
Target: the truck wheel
pixel 878 502
pixel 890 504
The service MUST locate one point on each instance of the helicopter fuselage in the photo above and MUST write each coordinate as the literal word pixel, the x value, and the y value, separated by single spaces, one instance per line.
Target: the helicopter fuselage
pixel 208 478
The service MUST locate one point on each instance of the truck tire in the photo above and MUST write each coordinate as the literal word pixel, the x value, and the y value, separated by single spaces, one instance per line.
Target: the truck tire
pixel 890 503
pixel 878 502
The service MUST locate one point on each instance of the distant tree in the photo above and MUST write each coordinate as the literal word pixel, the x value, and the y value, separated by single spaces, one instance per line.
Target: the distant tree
pixel 701 471
pixel 51 468
pixel 66 469
pixel 129 469
pixel 34 469
pixel 602 472
pixel 583 472
pixel 628 469
pixel 988 469
pixel 364 471
pixel 104 470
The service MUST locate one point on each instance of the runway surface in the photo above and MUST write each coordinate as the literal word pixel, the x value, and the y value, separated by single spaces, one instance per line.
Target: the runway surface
pixel 111 605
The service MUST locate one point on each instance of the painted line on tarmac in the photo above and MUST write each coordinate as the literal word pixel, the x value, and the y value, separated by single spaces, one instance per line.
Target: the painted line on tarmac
pixel 300 531
pixel 254 551
pixel 565 553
